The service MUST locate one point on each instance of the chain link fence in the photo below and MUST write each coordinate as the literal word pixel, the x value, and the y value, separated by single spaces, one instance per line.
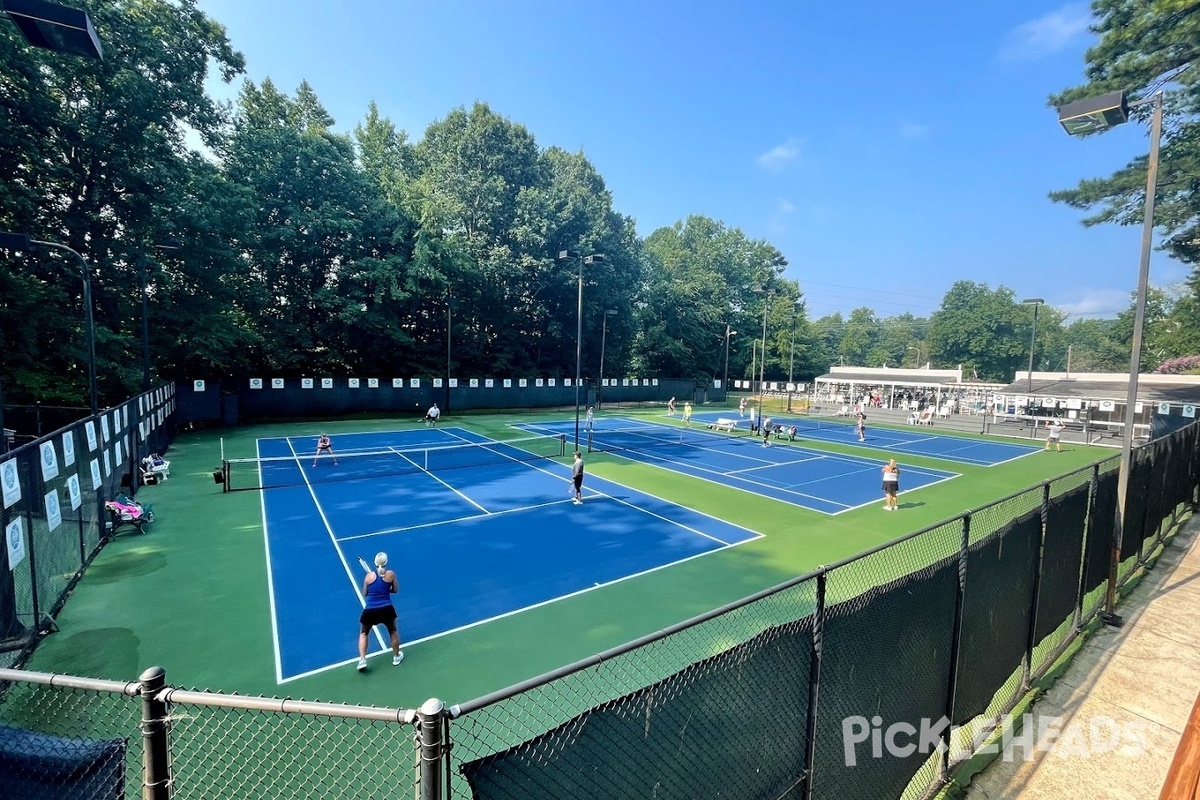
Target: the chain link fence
pixel 870 678
pixel 53 515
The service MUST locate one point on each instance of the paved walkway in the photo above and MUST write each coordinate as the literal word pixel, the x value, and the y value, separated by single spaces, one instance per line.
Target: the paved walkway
pixel 1124 701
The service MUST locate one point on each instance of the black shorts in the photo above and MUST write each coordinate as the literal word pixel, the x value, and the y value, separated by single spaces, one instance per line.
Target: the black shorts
pixel 578 480
pixel 891 486
pixel 384 615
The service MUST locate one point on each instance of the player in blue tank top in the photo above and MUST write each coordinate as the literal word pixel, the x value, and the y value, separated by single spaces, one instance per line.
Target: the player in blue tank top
pixel 378 588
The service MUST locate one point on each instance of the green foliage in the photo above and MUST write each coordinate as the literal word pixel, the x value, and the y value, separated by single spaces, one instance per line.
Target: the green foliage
pixel 1146 45
pixel 309 251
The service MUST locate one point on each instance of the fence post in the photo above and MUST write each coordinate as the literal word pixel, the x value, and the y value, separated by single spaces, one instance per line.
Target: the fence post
pixel 156 763
pixel 956 641
pixel 1088 530
pixel 814 684
pixel 1037 591
pixel 429 724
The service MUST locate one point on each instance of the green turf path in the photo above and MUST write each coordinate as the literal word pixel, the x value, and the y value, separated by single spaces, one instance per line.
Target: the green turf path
pixel 191 595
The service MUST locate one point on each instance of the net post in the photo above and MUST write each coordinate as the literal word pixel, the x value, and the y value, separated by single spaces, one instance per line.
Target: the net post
pixel 562 444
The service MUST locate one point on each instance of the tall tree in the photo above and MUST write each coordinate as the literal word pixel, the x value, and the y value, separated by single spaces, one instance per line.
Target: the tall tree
pixel 1146 46
pixel 93 155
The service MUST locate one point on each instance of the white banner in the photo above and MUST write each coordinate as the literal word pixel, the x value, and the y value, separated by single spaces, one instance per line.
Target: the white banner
pixel 508 383
pixel 414 383
pixel 372 383
pixel 1164 408
pixel 326 383
pixel 538 382
pixel 353 383
pixel 53 512
pixel 10 482
pixel 306 383
pixel 453 382
pixel 49 461
pixel 104 429
pixel 489 383
pixel 14 538
pixel 197 386
pixel 256 383
pixel 68 448
pixel 107 464
pixel 397 383
pixel 276 383
pixel 523 382
pixel 437 383
pixel 95 475
pixel 1189 411
pixel 474 383
pixel 73 492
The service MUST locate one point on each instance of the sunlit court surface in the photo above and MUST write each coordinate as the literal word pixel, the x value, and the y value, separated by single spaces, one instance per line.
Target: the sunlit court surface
pixel 831 483
pixel 477 530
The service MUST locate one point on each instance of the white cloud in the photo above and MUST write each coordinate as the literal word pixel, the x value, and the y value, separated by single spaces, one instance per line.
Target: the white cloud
pixel 1098 303
pixel 913 130
pixel 1047 34
pixel 780 155
pixel 785 207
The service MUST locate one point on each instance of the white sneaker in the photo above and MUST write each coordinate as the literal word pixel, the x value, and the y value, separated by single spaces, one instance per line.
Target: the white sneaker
pixel 396 659
pixel 362 665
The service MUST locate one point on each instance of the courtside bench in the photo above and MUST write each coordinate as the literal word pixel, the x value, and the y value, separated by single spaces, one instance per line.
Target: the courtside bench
pixel 724 424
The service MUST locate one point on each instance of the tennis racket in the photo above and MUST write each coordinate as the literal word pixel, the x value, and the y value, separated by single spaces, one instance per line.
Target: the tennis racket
pixel 363 563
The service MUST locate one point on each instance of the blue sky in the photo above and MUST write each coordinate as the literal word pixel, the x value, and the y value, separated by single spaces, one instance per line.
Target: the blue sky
pixel 887 149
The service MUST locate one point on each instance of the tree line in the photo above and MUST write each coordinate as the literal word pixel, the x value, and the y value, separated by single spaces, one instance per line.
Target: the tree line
pixel 288 248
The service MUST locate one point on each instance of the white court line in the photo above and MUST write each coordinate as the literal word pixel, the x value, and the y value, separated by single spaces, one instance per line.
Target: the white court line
pixel 262 501
pixel 657 459
pixel 575 593
pixel 442 482
pixel 341 556
pixel 451 521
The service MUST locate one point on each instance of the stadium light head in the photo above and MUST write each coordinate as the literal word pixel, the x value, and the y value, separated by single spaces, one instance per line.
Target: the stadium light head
pixel 54 27
pixel 596 258
pixel 15 241
pixel 1093 114
pixel 1033 301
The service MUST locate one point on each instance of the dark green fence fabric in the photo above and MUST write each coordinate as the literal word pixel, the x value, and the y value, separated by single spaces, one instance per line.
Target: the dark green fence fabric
pixel 699 733
pixel 1058 588
pixel 995 613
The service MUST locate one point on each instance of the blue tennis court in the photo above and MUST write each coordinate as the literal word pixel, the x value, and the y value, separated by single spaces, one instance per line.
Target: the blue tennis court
pixel 475 529
pixel 919 441
pixel 827 482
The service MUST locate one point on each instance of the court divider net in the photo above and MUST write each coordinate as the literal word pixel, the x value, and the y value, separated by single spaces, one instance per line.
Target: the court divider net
pixel 275 472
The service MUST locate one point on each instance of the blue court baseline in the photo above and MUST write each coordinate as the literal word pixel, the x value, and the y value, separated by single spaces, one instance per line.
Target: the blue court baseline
pixel 820 481
pixel 470 545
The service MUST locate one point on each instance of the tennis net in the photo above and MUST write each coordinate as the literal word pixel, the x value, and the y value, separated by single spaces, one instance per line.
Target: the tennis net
pixel 651 437
pixel 240 474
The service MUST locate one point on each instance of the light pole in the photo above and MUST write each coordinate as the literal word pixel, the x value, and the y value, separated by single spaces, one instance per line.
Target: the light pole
pixel 53 27
pixel 728 332
pixel 449 330
pixel 142 282
pixel 914 347
pixel 594 258
pixel 1088 116
pixel 20 241
pixel 792 357
pixel 1035 302
pixel 766 307
pixel 608 312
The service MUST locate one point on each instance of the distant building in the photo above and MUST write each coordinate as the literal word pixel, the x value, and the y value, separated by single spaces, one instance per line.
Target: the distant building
pixel 1096 400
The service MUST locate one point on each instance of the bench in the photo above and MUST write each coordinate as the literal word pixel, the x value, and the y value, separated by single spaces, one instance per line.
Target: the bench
pixel 723 424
